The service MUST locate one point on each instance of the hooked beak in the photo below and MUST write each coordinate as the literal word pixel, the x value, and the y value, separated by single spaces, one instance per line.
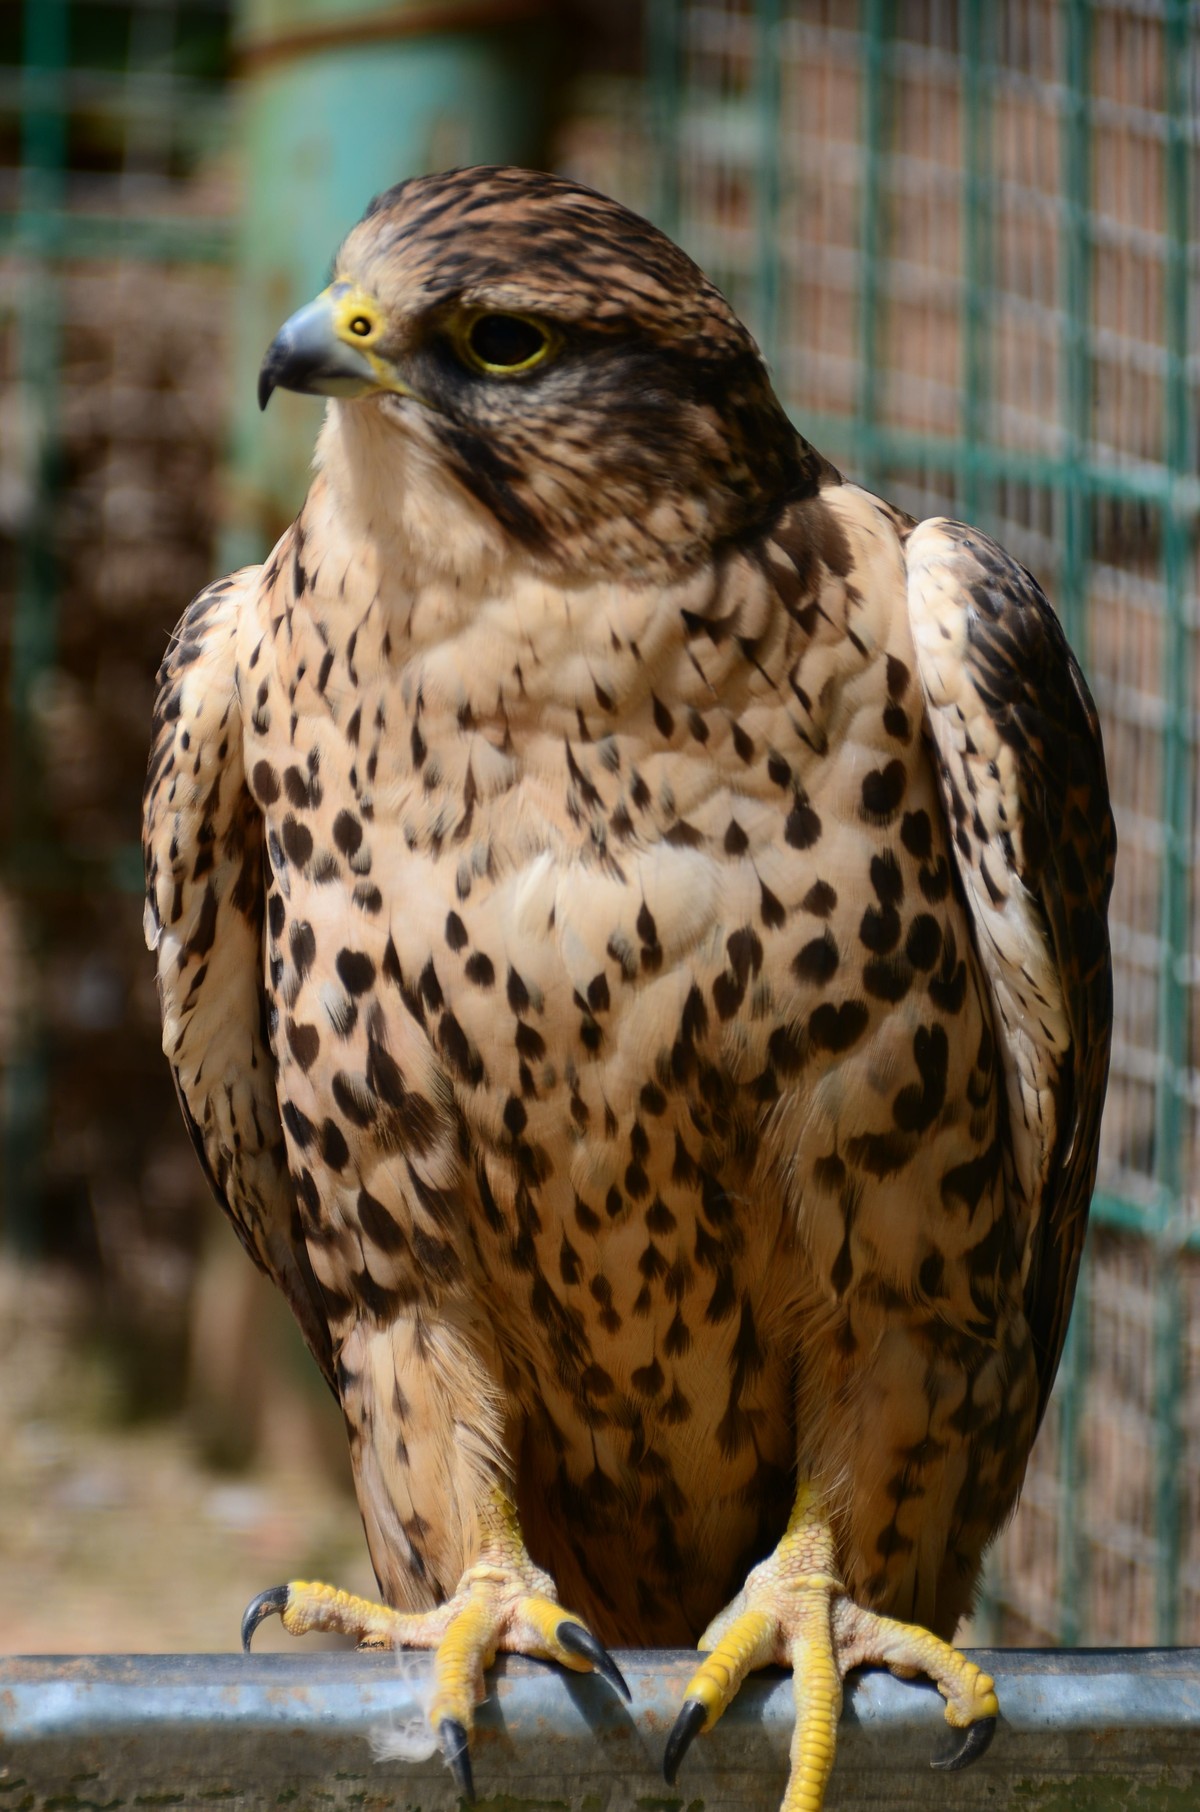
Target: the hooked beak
pixel 313 352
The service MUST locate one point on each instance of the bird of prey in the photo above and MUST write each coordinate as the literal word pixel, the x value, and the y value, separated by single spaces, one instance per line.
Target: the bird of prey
pixel 630 913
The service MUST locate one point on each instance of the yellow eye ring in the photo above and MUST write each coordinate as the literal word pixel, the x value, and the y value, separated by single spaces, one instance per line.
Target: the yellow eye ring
pixel 360 326
pixel 502 343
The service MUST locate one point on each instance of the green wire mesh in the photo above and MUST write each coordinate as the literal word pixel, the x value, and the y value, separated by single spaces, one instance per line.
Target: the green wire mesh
pixel 115 231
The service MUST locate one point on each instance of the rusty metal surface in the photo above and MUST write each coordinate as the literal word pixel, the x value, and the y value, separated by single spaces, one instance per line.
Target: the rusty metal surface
pixel 1102 1730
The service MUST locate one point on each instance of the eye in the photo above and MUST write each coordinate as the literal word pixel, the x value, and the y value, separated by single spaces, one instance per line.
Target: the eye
pixel 360 325
pixel 506 343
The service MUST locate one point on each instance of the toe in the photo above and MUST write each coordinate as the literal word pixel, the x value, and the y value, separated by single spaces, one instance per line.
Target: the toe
pixel 455 1748
pixel 579 1641
pixel 688 1725
pixel 749 1641
pixel 271 1603
pixel 968 1746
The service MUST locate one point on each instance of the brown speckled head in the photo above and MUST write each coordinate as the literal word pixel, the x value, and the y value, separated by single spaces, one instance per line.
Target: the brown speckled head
pixel 642 431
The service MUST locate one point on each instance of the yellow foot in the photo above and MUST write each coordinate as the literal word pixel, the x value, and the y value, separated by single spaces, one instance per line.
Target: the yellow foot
pixel 793 1611
pixel 502 1602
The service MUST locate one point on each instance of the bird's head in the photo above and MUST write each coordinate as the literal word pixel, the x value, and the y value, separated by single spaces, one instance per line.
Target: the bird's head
pixel 559 360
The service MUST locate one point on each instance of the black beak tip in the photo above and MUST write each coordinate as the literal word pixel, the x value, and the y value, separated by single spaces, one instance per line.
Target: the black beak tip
pixel 266 384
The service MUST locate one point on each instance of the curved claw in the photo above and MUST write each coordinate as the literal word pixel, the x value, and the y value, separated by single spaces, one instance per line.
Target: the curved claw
pixel 458 1756
pixel 268 1604
pixel 972 1743
pixel 686 1727
pixel 580 1640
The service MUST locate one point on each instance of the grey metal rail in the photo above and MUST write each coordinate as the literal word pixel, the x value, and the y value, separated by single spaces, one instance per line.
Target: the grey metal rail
pixel 1103 1730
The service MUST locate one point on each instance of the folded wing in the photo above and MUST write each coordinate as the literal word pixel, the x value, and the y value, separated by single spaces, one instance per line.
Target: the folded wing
pixel 1021 768
pixel 205 898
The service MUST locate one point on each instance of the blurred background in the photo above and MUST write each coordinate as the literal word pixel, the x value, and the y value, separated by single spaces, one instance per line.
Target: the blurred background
pixel 966 233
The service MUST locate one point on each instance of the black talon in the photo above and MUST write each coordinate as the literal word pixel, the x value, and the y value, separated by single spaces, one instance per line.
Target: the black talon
pixel 273 1600
pixel 458 1755
pixel 974 1741
pixel 687 1725
pixel 581 1641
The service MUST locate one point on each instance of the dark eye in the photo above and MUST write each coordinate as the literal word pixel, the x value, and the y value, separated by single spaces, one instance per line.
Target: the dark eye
pixel 506 342
pixel 361 326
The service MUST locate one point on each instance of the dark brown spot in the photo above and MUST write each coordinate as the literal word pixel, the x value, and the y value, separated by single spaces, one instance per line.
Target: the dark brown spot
pixel 480 969
pixel 456 932
pixel 659 1218
pixel 924 942
pixel 356 971
pixel 916 834
pixel 897 677
pixel 818 960
pixel 304 1042
pixel 820 900
pixel 334 1149
pixel 879 929
pixel 888 978
pixel 354 1098
pixel 802 827
pixel 836 1028
pixel 303 946
pixel 299 1125
pixel 773 914
pixel 297 841
pixel 347 833
pixel 882 791
pixel 918 1105
pixel 515 1116
pixel 265 782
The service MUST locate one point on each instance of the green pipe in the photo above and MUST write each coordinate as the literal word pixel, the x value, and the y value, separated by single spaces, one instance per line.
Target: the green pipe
pixel 341 99
pixel 1075 402
pixel 664 76
pixel 977 243
pixel 876 28
pixel 23 1097
pixel 1075 393
pixel 1176 903
pixel 768 78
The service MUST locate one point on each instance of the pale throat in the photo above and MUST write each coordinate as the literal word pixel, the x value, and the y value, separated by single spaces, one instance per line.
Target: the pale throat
pixel 470 619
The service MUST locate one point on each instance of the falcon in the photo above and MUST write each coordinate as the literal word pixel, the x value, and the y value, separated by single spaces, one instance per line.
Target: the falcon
pixel 630 913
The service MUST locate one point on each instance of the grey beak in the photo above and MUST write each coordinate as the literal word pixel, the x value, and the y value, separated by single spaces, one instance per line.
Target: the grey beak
pixel 307 354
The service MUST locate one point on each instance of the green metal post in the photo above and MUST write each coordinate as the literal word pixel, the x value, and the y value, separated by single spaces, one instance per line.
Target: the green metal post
pixel 34 623
pixel 43 157
pixel 768 81
pixel 341 99
pixel 1178 741
pixel 1075 401
pixel 664 74
pixel 876 30
pixel 1075 303
pixel 977 243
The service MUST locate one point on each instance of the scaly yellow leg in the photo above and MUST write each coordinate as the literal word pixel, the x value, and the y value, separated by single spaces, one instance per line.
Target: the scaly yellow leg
pixel 502 1602
pixel 793 1611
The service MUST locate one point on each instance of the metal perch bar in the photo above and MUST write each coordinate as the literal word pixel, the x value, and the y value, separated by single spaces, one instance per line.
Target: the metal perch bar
pixel 120 1731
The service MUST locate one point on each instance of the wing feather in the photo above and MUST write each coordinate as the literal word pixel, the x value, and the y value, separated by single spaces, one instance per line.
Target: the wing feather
pixel 203 849
pixel 1021 767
